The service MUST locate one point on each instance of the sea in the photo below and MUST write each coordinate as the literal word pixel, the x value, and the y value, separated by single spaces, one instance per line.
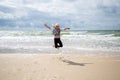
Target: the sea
pixel 84 42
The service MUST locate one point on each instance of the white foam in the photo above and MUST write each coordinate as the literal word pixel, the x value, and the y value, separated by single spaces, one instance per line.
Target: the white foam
pixel 74 43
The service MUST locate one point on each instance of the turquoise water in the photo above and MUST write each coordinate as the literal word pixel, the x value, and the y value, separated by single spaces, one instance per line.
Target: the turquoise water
pixel 105 32
pixel 75 41
pixel 115 33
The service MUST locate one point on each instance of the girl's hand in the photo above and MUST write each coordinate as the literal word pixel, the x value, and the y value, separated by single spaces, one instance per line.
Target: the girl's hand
pixel 66 28
pixel 45 25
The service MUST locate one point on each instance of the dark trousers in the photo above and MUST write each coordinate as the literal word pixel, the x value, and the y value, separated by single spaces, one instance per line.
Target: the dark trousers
pixel 58 43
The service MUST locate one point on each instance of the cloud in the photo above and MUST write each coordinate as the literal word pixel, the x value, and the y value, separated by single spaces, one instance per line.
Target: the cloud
pixel 88 13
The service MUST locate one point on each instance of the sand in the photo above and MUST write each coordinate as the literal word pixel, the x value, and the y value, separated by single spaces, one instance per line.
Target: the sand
pixel 58 67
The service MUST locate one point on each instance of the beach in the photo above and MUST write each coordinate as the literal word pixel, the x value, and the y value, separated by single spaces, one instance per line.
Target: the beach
pixel 86 55
pixel 59 67
pixel 60 40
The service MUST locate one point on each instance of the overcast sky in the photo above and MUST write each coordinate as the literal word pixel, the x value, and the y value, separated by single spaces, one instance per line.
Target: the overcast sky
pixel 77 14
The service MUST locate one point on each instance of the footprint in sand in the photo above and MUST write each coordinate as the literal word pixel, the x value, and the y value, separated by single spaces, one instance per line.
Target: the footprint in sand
pixel 19 69
pixel 34 71
pixel 35 62
pixel 55 78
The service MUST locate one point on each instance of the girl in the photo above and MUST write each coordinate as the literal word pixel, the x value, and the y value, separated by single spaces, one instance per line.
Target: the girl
pixel 56 32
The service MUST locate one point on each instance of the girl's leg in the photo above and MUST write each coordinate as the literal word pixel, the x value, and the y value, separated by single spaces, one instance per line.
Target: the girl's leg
pixel 60 43
pixel 55 43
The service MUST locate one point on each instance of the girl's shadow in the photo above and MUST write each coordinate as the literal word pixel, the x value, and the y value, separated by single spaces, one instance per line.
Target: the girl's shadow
pixel 74 63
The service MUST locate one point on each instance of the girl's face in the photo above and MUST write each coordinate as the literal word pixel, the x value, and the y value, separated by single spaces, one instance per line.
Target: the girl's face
pixel 57 27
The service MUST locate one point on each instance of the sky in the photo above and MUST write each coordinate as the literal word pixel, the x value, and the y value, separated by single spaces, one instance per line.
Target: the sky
pixel 76 14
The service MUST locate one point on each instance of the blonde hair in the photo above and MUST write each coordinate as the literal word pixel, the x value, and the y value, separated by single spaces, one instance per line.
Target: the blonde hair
pixel 57 24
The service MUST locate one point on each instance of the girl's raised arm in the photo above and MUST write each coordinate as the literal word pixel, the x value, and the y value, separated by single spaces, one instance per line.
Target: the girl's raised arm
pixel 47 26
pixel 65 29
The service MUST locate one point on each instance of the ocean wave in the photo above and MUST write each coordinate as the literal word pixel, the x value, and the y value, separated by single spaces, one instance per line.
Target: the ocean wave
pixel 49 33
pixel 24 33
pixel 74 42
pixel 116 35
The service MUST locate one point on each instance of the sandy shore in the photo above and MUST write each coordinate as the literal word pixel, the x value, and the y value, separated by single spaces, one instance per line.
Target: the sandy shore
pixel 58 67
